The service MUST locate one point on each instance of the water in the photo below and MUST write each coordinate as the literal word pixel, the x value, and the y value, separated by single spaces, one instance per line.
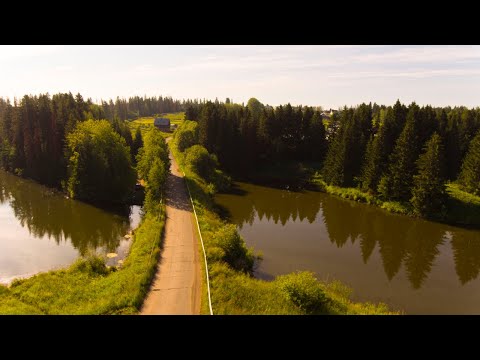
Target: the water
pixel 414 265
pixel 41 230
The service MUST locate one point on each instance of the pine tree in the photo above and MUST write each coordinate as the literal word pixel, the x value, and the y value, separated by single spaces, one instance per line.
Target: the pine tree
pixel 469 177
pixel 137 142
pixel 396 184
pixel 378 149
pixel 429 183
pixel 315 138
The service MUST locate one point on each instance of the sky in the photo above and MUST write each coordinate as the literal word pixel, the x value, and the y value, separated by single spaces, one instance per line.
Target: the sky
pixel 321 75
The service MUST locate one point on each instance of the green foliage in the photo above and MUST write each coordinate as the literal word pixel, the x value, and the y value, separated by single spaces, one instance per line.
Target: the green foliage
pixel 234 251
pixel 87 287
pixel 344 157
pixel 90 287
pixel 429 184
pixel 235 291
pixel 153 164
pixel 378 150
pixel 255 107
pixel 99 163
pixel 187 135
pixel 397 183
pixel 155 184
pixel 200 161
pixel 154 148
pixel 463 207
pixel 137 142
pixel 469 177
pixel 304 290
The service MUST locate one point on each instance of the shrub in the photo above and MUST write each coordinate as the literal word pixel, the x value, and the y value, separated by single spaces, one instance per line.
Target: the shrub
pixel 186 135
pixel 236 253
pixel 304 290
pixel 201 162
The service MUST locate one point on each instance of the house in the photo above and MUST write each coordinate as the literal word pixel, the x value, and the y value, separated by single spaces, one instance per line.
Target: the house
pixel 162 124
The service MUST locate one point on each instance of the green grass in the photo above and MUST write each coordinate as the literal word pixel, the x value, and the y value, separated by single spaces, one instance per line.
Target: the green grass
pixel 88 286
pixel 237 292
pixel 462 208
pixel 146 122
pixel 356 194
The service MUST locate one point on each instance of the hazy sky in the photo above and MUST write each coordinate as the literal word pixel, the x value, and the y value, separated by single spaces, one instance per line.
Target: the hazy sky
pixel 330 76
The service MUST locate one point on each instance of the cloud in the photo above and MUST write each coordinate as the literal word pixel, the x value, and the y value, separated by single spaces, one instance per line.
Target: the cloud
pixel 11 52
pixel 443 54
pixel 64 68
pixel 406 74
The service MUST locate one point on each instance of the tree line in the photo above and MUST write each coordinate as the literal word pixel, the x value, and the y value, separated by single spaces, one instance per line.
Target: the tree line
pixel 399 153
pixel 65 141
pixel 34 129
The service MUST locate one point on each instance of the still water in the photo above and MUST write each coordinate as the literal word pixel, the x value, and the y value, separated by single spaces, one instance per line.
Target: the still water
pixel 414 265
pixel 41 230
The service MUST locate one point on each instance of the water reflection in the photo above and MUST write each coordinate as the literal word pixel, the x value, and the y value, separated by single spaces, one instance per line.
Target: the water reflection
pixel 45 213
pixel 413 244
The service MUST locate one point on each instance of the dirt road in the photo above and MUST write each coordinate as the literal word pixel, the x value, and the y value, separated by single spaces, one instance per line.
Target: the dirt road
pixel 176 288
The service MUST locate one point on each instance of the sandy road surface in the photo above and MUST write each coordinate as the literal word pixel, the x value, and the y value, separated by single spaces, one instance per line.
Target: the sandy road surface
pixel 176 288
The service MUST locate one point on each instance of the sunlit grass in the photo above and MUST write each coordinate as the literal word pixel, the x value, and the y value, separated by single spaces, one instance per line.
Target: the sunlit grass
pixel 146 122
pixel 88 286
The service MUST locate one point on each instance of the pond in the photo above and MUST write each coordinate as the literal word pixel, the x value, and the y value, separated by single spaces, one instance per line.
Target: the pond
pixel 413 265
pixel 41 229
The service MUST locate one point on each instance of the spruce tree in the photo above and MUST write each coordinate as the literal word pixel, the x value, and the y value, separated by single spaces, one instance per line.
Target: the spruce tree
pixel 137 142
pixel 396 184
pixel 377 153
pixel 469 177
pixel 429 183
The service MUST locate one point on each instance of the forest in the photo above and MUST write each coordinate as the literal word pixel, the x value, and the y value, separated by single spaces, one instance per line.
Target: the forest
pixel 55 141
pixel 398 153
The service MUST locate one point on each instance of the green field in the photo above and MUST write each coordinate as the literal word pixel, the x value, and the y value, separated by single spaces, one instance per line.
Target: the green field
pixel 145 122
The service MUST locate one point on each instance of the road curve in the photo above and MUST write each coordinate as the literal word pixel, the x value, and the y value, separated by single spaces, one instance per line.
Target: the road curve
pixel 176 288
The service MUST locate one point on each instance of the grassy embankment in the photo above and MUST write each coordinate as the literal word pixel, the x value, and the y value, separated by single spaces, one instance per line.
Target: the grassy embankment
pixel 235 291
pixel 89 286
pixel 462 208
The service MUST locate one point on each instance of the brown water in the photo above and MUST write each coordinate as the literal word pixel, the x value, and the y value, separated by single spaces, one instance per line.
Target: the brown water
pixel 41 230
pixel 414 265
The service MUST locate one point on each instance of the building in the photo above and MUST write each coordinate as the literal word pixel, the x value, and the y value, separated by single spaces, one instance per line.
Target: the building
pixel 162 124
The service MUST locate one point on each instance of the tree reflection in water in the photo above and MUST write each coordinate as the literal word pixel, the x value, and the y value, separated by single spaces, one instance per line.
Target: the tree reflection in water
pixel 46 213
pixel 401 240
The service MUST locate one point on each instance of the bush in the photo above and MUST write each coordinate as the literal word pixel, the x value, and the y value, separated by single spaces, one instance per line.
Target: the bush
pixel 236 253
pixel 93 265
pixel 201 162
pixel 304 290
pixel 186 135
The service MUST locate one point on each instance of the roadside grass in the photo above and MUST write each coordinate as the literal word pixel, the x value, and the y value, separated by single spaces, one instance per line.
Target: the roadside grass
pixel 88 286
pixel 233 288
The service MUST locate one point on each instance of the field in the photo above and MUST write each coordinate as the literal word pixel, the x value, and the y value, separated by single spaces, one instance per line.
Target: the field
pixel 145 122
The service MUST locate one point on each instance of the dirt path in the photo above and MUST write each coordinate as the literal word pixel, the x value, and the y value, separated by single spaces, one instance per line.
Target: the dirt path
pixel 176 288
